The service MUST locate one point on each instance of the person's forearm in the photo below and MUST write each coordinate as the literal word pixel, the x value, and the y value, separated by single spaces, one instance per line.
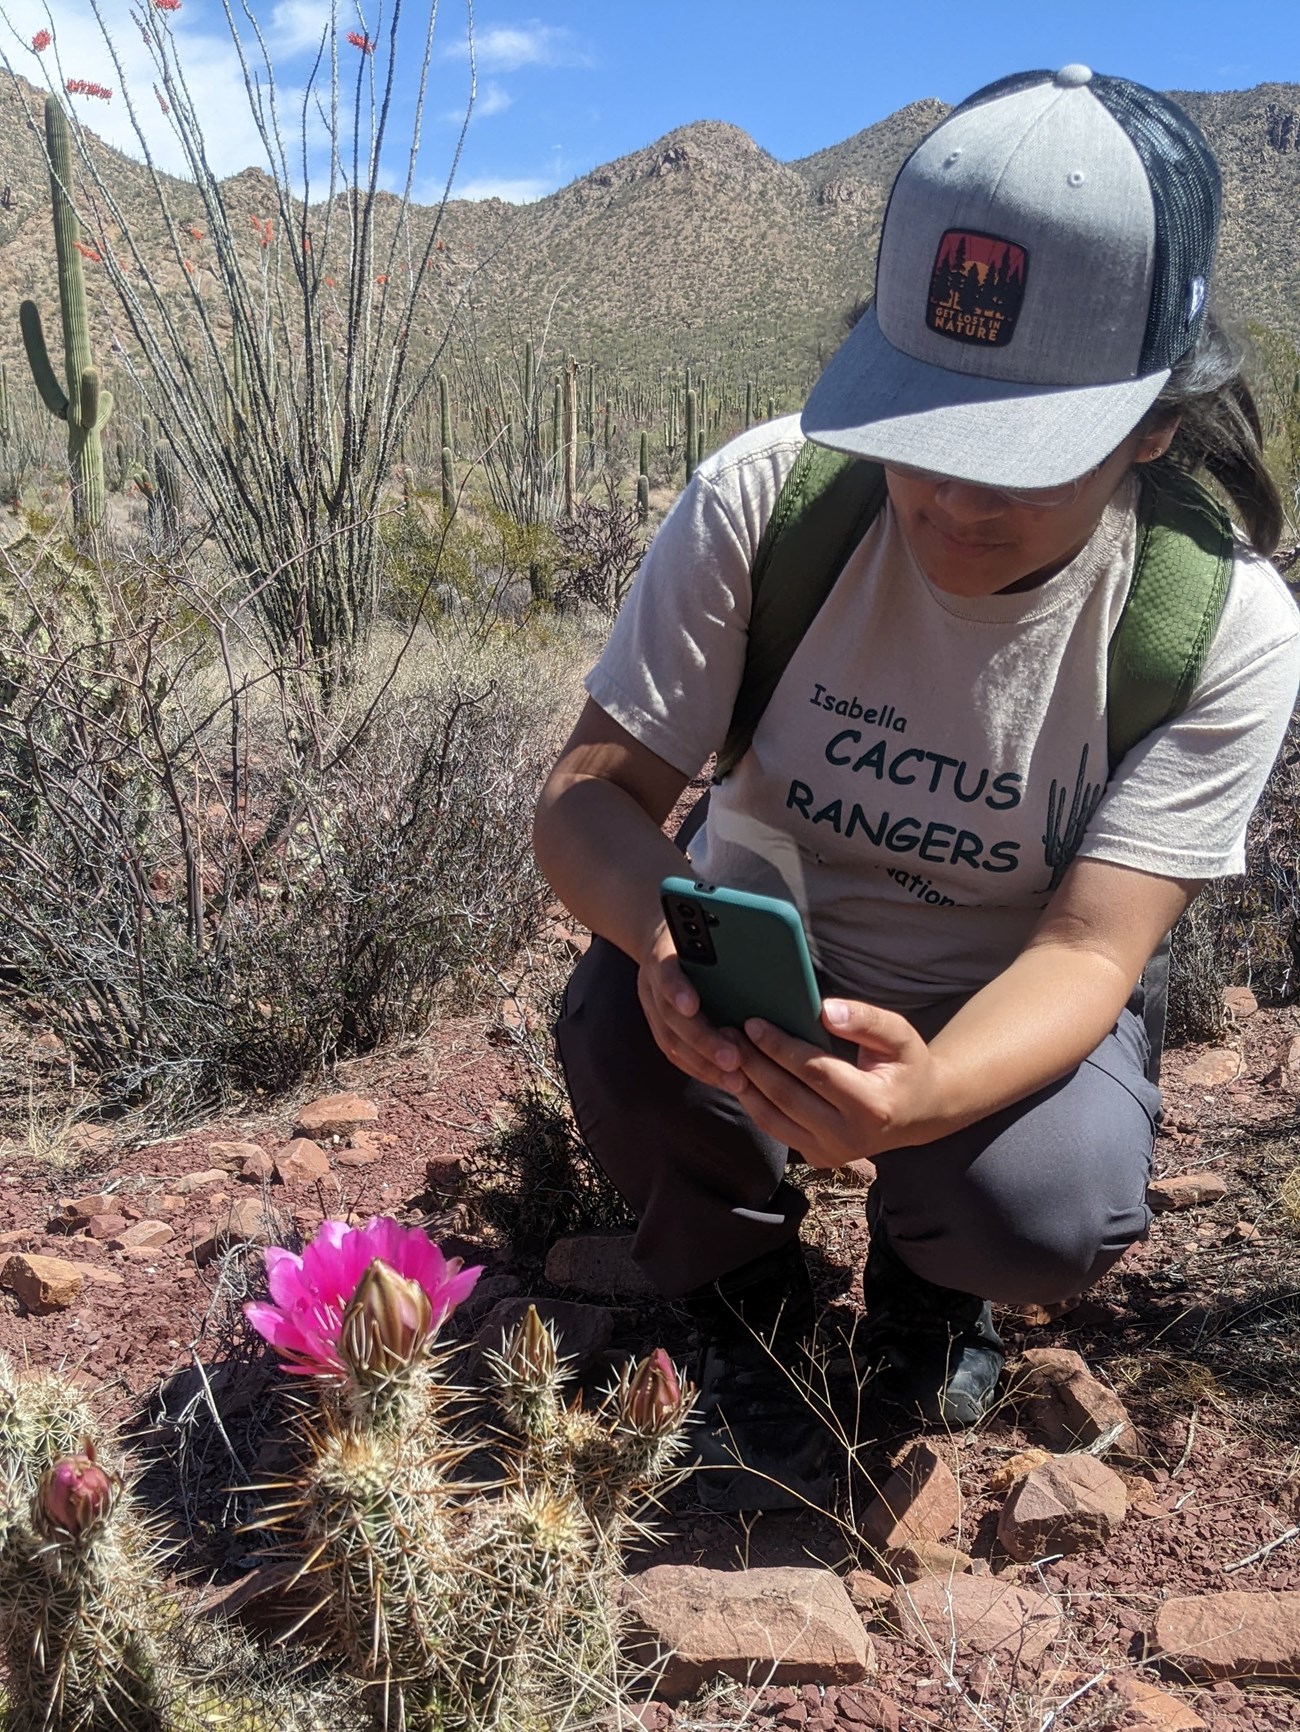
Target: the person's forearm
pixel 1031 1024
pixel 605 857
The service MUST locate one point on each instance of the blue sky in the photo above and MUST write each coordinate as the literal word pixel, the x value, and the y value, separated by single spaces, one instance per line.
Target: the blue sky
pixel 564 85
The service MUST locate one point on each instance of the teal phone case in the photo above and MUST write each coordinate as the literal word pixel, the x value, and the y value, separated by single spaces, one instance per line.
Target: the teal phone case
pixel 760 963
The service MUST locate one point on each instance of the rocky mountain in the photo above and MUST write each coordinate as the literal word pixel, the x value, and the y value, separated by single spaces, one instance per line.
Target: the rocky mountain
pixel 702 249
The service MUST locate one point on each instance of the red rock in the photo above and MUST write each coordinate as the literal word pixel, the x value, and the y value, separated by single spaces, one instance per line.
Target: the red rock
pixel 1059 1401
pixel 334 1116
pixel 770 1625
pixel 257 1167
pixel 363 1150
pixel 106 1226
pixel 75 1213
pixel 191 1182
pixel 302 1162
pixel 928 1558
pixel 1213 1068
pixel 1240 1002
pixel 1147 1708
pixel 919 1501
pixel 1230 1635
pixel 43 1284
pixel 1243 1232
pixel 232 1156
pixel 241 1223
pixel 105 1277
pixel 860 1174
pixel 869 1709
pixel 867 1592
pixel 1067 1505
pixel 597 1263
pixel 985 1613
pixel 1186 1191
pixel 143 1236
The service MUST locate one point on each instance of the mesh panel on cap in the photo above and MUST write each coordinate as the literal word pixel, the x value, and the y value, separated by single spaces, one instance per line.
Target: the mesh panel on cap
pixel 1008 86
pixel 1185 192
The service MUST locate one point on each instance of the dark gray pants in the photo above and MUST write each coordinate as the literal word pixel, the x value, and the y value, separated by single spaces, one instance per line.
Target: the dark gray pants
pixel 1028 1206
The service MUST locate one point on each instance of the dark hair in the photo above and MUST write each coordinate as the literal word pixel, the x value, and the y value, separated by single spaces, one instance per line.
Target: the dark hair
pixel 1219 431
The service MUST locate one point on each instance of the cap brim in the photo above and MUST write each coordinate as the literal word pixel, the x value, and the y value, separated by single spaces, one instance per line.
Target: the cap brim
pixel 875 401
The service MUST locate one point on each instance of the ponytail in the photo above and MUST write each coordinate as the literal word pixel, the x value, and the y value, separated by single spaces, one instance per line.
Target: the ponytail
pixel 1219 431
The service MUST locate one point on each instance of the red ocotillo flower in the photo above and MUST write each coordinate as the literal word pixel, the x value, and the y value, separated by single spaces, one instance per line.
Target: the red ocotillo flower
pixel 87 87
pixel 362 42
pixel 89 253
pixel 382 280
pixel 196 234
pixel 330 283
pixel 162 100
pixel 41 41
pixel 189 267
pixel 166 5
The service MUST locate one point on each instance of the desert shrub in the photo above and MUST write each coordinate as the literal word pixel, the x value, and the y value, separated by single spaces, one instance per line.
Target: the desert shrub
pixel 1244 931
pixel 200 897
pixel 599 550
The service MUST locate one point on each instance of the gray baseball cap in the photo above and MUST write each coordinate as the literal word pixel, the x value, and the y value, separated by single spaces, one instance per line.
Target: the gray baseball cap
pixel 1042 266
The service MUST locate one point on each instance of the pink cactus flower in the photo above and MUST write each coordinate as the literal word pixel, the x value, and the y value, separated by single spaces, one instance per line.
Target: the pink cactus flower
pixel 76 1495
pixel 309 1294
pixel 41 41
pixel 654 1401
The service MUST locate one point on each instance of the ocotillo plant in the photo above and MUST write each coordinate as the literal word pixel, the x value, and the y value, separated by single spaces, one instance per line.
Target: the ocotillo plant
pixel 462 1606
pixel 84 405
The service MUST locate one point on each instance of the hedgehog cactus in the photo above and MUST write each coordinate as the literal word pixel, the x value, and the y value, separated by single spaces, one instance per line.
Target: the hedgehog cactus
pixel 84 406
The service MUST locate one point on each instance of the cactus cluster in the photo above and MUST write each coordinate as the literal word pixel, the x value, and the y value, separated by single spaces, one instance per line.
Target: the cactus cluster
pixel 461 1603
pixel 92 1639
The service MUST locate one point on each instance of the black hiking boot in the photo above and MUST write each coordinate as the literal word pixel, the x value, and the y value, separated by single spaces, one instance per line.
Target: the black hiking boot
pixel 932 1348
pixel 759 1444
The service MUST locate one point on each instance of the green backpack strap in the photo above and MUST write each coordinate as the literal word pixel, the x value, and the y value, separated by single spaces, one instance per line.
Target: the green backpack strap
pixel 1180 582
pixel 827 504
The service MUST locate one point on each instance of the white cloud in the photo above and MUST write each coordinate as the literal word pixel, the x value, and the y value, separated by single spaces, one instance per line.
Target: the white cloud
pixel 507 47
pixel 523 189
pixel 492 99
pixel 298 24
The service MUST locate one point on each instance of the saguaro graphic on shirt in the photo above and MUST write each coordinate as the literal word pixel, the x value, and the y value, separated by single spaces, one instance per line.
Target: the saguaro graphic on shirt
pixel 977 288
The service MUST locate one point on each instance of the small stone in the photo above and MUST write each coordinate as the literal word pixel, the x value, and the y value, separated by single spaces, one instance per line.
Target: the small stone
pixel 1069 1504
pixel 143 1236
pixel 364 1148
pixel 242 1223
pixel 74 1213
pixel 597 1263
pixel 928 1558
pixel 1213 1068
pixel 1240 1002
pixel 867 1592
pixel 334 1116
pixel 860 1174
pixel 1230 1635
pixel 1060 1401
pixel 775 1626
pixel 1147 1708
pixel 870 1709
pixel 191 1182
pixel 105 1277
pixel 43 1284
pixel 583 1331
pixel 1024 1461
pixel 985 1613
pixel 232 1156
pixel 1288 1497
pixel 90 1139
pixel 302 1162
pixel 106 1226
pixel 919 1501
pixel 1243 1232
pixel 1186 1191
pixel 257 1167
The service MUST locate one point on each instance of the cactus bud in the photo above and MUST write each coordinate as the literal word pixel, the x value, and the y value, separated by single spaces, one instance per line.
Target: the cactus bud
pixel 530 1351
pixel 653 1400
pixel 76 1495
pixel 386 1325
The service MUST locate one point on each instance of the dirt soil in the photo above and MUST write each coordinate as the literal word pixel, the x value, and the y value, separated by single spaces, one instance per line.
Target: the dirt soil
pixel 1198 1329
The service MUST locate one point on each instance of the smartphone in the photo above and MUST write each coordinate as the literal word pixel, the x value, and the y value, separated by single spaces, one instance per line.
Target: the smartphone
pixel 746 955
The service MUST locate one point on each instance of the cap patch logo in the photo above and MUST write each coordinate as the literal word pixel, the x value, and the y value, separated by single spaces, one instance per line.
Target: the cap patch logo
pixel 977 288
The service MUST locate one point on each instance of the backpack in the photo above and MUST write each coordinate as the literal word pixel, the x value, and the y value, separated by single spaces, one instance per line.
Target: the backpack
pixel 1180 581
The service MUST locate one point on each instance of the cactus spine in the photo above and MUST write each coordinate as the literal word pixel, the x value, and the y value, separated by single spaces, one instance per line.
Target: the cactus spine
pixel 84 406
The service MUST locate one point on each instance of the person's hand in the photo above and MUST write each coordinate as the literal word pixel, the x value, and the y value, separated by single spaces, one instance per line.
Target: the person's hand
pixel 672 1008
pixel 830 1109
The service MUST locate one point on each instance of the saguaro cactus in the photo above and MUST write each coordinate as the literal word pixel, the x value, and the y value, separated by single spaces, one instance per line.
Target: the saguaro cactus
pixel 84 406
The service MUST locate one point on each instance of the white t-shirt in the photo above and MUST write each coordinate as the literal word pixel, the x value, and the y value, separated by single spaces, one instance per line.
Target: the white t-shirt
pixel 929 764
